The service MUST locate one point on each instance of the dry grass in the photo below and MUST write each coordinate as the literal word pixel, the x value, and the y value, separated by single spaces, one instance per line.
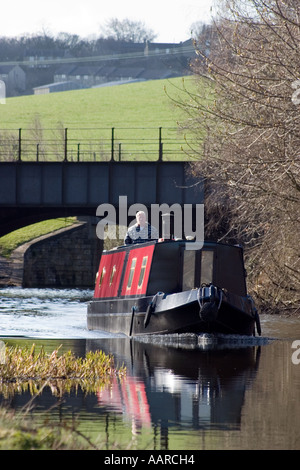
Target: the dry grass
pixel 31 369
pixel 27 368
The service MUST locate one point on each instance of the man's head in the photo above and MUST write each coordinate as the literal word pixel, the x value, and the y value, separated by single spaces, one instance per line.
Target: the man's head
pixel 141 218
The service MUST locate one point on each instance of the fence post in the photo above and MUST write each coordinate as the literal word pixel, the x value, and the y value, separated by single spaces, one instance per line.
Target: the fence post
pixel 37 152
pixel 66 144
pixel 120 151
pixel 112 142
pixel 78 152
pixel 160 148
pixel 20 145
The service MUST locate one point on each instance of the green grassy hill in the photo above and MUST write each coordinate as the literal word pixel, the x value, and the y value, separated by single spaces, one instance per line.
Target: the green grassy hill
pixel 12 240
pixel 129 105
pixel 136 111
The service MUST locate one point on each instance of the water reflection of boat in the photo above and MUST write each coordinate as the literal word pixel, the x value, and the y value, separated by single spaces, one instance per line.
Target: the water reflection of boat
pixel 165 385
pixel 172 287
pixel 174 384
pixel 127 394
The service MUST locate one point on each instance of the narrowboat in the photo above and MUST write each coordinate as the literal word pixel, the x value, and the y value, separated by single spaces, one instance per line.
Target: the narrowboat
pixel 172 286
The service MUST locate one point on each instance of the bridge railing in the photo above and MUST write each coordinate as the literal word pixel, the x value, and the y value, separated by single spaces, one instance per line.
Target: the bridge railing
pixel 93 144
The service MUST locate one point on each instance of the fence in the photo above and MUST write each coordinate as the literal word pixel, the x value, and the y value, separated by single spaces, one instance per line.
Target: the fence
pixel 93 144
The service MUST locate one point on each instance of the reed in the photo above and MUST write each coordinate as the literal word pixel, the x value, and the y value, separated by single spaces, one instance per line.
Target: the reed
pixel 28 369
pixel 32 369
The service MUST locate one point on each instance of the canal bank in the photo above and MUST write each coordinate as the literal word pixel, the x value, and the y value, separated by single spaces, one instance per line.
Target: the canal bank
pixel 66 258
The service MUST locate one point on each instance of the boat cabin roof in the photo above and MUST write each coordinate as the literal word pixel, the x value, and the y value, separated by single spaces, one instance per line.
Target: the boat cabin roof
pixel 169 266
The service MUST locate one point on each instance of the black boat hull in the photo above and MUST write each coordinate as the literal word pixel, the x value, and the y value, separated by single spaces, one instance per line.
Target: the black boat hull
pixel 183 312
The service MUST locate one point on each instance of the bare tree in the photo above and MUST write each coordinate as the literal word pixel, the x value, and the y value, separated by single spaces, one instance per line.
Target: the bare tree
pixel 128 30
pixel 248 105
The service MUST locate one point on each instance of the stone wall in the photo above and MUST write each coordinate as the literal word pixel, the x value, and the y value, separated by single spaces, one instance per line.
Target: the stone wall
pixel 68 258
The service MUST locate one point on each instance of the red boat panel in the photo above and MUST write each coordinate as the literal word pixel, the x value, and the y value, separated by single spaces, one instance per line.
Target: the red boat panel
pixel 137 270
pixel 109 275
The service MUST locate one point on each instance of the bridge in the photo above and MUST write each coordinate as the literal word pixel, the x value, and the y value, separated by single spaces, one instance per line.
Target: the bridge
pixel 31 191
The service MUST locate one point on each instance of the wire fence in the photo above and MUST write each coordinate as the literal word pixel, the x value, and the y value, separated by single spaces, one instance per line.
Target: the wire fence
pixel 93 144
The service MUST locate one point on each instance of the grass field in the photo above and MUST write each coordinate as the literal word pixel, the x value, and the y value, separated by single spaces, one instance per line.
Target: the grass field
pixel 136 111
pixel 129 105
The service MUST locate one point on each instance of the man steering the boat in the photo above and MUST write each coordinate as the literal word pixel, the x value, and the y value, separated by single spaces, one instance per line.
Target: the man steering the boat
pixel 141 231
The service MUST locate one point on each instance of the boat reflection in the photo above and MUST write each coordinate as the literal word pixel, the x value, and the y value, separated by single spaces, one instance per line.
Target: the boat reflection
pixel 179 384
pixel 173 386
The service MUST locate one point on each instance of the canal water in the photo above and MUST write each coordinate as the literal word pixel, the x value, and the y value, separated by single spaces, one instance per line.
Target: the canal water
pixel 181 392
